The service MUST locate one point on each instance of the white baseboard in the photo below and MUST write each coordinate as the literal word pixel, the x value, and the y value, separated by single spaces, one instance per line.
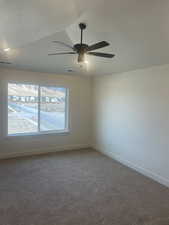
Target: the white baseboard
pixel 139 169
pixel 44 151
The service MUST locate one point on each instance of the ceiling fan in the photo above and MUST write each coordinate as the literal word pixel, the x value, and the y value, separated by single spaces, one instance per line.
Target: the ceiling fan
pixel 81 49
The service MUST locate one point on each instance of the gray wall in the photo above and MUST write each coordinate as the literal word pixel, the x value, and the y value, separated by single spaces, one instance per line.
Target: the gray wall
pixel 131 119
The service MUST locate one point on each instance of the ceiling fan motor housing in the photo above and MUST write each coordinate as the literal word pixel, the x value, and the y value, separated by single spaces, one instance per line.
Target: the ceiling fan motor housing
pixel 82 26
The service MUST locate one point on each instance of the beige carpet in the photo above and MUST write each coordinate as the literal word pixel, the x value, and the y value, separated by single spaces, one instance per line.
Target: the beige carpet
pixel 78 188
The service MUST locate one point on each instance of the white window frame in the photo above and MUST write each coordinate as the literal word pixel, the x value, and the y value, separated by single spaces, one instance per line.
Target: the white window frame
pixel 57 132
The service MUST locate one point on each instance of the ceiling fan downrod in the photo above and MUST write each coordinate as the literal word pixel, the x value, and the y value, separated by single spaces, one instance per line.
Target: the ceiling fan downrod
pixel 82 26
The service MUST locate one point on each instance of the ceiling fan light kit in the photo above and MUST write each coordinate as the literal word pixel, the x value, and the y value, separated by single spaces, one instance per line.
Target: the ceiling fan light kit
pixel 81 49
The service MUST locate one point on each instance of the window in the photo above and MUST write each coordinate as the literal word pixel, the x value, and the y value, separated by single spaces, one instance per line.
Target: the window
pixel 36 109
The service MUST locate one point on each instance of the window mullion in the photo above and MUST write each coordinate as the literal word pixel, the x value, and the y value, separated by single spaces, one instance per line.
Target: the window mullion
pixel 66 110
pixel 39 102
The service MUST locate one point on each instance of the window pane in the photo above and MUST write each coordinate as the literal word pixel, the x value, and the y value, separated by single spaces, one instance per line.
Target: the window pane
pixel 52 108
pixel 22 108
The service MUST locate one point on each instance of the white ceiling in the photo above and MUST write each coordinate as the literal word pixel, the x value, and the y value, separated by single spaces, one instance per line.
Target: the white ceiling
pixel 138 31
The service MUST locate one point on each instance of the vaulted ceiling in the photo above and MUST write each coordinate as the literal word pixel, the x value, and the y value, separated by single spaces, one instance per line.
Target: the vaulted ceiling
pixel 138 31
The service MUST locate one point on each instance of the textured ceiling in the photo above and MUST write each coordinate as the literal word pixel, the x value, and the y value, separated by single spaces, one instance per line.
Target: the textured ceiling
pixel 138 32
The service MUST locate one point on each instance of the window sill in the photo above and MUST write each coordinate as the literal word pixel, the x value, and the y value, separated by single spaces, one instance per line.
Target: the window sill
pixel 61 132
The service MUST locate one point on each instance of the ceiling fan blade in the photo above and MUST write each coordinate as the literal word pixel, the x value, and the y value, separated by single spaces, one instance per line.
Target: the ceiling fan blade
pixel 2 62
pixel 98 45
pixel 64 44
pixel 101 54
pixel 63 53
